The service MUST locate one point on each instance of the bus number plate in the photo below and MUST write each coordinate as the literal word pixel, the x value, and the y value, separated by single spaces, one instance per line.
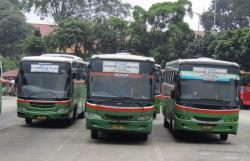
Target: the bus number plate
pixel 117 126
pixel 206 127
pixel 41 117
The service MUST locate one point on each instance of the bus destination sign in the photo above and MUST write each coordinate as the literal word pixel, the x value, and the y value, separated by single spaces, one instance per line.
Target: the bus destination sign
pixel 121 67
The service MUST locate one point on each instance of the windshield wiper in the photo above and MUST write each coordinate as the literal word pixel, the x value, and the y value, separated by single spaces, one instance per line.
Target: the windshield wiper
pixel 40 92
pixel 120 98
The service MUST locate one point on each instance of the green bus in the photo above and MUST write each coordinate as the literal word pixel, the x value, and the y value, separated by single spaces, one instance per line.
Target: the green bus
pixel 1 79
pixel 157 100
pixel 51 86
pixel 201 95
pixel 120 94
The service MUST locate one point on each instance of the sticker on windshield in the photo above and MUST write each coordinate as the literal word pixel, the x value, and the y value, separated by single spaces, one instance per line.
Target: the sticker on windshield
pixel 44 68
pixel 209 73
pixel 121 67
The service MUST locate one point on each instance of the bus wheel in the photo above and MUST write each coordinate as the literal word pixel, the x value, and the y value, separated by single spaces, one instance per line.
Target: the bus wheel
pixel 81 115
pixel 144 137
pixel 154 115
pixel 223 137
pixel 28 121
pixel 94 134
pixel 166 124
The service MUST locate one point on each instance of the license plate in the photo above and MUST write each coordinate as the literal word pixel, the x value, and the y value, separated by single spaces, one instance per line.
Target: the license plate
pixel 41 117
pixel 207 128
pixel 117 126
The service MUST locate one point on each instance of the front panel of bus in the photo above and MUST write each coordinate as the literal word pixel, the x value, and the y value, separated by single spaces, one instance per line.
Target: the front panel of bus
pixel 206 99
pixel 120 95
pixel 245 90
pixel 44 90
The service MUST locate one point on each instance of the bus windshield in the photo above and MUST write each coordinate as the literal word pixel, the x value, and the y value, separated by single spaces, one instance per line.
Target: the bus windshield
pixel 45 80
pixel 108 79
pixel 121 85
pixel 210 90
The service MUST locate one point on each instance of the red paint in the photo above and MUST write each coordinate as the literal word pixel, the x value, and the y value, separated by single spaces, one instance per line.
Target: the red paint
pixel 119 109
pixel 158 96
pixel 245 95
pixel 206 111
pixel 40 101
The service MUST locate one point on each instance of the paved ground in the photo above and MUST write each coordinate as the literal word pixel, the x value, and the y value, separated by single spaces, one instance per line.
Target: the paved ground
pixel 55 141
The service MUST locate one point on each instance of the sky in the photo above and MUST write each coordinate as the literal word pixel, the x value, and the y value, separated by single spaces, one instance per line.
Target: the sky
pixel 199 6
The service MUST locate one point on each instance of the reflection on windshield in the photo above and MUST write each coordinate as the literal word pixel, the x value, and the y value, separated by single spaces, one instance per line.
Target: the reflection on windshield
pixel 119 86
pixel 210 90
pixel 45 85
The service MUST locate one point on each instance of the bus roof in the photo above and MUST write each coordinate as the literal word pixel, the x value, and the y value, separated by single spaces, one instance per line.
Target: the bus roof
pixel 207 61
pixel 123 56
pixel 51 59
pixel 69 56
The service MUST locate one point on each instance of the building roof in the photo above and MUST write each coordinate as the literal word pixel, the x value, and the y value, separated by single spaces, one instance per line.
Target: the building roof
pixel 123 56
pixel 45 29
pixel 10 74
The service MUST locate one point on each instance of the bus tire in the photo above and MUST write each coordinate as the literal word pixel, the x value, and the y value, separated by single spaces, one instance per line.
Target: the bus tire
pixel 154 115
pixel 223 137
pixel 81 115
pixel 166 124
pixel 72 119
pixel 28 121
pixel 94 134
pixel 144 137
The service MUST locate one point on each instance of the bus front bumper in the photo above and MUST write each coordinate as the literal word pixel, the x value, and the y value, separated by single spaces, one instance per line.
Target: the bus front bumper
pixel 119 126
pixel 42 115
pixel 206 127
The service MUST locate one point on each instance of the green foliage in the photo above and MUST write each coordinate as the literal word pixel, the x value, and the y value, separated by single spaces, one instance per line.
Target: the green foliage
pixel 231 14
pixel 8 64
pixel 233 45
pixel 13 28
pixel 61 10
pixel 33 44
pixel 71 33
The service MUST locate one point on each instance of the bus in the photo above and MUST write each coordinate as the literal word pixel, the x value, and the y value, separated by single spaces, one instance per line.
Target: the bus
pixel 1 79
pixel 50 87
pixel 244 89
pixel 201 95
pixel 120 94
pixel 157 100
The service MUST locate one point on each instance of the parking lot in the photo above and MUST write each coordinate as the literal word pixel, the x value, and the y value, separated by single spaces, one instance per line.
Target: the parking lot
pixel 54 140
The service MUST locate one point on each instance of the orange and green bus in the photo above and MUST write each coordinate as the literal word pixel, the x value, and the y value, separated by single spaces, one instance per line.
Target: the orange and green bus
pixel 50 87
pixel 201 95
pixel 157 100
pixel 120 94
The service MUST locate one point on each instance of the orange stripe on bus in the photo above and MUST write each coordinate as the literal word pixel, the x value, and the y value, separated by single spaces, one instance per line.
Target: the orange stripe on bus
pixel 40 101
pixel 119 109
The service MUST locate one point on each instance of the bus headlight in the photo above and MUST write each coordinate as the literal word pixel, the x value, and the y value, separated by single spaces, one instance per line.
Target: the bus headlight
pixel 144 118
pixel 63 110
pixel 92 116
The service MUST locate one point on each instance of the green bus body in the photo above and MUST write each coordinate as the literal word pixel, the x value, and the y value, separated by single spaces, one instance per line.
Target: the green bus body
pixel 183 112
pixel 157 101
pixel 108 106
pixel 44 103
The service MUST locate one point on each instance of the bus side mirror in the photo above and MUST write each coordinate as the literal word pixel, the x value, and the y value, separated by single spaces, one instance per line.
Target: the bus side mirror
pixel 172 94
pixel 73 76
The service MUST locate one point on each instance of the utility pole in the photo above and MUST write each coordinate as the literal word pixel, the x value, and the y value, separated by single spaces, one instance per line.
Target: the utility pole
pixel 214 25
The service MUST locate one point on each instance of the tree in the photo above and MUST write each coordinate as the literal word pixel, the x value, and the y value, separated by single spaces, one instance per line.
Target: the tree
pixel 8 63
pixel 233 45
pixel 110 35
pixel 71 33
pixel 13 28
pixel 33 44
pixel 230 14
pixel 60 10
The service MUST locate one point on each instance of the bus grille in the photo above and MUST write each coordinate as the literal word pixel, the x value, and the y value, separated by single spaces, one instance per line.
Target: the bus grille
pixel 112 117
pixel 42 105
pixel 207 119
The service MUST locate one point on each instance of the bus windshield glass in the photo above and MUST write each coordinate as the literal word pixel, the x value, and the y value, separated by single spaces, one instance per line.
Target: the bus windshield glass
pixel 209 83
pixel 109 81
pixel 45 80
